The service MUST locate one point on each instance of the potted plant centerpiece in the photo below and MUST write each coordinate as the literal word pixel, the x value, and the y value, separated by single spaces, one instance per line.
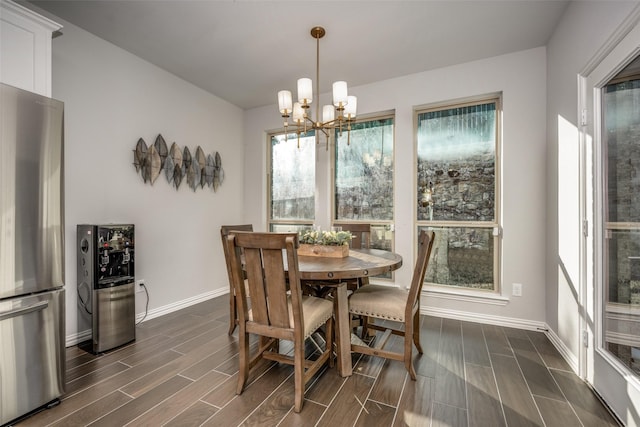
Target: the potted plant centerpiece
pixel 324 243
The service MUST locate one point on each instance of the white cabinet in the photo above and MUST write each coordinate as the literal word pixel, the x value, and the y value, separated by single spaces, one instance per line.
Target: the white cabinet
pixel 25 48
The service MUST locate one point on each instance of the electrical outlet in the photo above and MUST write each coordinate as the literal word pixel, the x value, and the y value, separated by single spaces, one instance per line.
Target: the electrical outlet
pixel 517 290
pixel 140 285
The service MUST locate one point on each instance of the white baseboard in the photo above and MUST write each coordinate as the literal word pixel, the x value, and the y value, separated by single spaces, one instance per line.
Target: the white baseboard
pixel 79 337
pixel 160 311
pixel 487 319
pixel 571 358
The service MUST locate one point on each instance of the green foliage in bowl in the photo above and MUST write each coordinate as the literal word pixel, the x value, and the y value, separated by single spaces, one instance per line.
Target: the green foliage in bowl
pixel 327 238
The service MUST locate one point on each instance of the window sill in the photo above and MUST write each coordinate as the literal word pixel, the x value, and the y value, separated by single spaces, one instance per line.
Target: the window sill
pixel 463 295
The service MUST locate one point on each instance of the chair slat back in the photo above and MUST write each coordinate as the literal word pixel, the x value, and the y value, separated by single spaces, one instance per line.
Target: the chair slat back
pixel 224 232
pixel 361 234
pixel 267 281
pixel 425 244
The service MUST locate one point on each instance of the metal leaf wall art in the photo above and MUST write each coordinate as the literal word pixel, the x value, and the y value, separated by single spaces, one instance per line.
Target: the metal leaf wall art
pixel 200 170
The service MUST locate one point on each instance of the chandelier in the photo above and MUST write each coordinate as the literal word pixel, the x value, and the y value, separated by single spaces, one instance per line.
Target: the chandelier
pixel 338 116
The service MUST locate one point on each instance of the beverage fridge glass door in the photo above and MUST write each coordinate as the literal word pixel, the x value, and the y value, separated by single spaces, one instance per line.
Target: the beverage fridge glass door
pixel 31 370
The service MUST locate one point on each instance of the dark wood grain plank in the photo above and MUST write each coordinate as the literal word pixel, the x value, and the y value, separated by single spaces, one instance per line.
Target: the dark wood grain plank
pixel 390 381
pixel 95 410
pixel 586 405
pixel 448 416
pixel 253 395
pixel 102 388
pixel 556 413
pixel 376 413
pixel 551 356
pixel 540 381
pixel 416 404
pixel 519 407
pixel 224 393
pixel 496 340
pixel 430 329
pixel 475 346
pixel 309 416
pixel 325 388
pixel 93 377
pixel 169 409
pixel 134 409
pixel 450 383
pixel 193 416
pixel 485 408
pixel 346 406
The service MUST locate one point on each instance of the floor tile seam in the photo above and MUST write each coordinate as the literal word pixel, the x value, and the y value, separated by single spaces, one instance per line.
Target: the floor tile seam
pixel 564 395
pixel 404 388
pixel 524 378
pixel 206 373
pixel 57 420
pixel 66 396
pixel 335 395
pixel 493 375
pixel 259 404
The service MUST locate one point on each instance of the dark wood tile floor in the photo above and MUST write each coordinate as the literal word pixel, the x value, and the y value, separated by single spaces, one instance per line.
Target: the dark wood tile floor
pixel 181 371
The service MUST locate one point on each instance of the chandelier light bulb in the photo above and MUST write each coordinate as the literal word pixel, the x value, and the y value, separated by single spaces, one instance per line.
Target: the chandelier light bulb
pixel 305 91
pixel 284 102
pixel 340 94
pixel 351 107
pixel 328 113
pixel 298 113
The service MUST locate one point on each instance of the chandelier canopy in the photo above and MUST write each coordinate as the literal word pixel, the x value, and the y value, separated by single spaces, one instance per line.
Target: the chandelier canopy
pixel 338 116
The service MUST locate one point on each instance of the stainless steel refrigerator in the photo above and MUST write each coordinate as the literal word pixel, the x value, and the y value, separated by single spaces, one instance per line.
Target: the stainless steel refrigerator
pixel 32 302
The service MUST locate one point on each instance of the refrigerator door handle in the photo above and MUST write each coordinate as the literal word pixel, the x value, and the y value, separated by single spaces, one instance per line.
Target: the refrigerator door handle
pixel 24 310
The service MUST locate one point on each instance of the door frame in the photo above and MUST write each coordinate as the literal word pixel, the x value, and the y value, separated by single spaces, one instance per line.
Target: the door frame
pixel 605 373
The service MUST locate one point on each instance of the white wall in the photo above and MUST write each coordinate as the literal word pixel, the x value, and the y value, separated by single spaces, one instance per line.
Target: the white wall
pixel 579 37
pixel 112 98
pixel 521 77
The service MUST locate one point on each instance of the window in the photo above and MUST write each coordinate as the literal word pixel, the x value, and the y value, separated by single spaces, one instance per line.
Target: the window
pixel 621 212
pixel 363 190
pixel 457 191
pixel 291 181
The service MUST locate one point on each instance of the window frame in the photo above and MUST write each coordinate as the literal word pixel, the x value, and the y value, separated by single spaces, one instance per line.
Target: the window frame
pixel 495 225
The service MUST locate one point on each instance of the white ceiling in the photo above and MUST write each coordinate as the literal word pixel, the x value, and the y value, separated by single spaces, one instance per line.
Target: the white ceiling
pixel 245 51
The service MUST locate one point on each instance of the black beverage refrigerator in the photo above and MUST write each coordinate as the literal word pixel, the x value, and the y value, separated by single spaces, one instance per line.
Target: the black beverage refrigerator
pixel 106 285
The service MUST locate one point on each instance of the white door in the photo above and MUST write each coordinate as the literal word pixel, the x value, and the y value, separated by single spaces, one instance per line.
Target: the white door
pixel 611 102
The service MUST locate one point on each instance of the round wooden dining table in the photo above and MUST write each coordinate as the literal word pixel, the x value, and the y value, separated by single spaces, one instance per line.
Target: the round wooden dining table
pixel 328 272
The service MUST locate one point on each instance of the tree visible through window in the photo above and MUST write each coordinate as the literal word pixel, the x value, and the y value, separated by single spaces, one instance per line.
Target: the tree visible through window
pixel 456 191
pixel 292 182
pixel 363 189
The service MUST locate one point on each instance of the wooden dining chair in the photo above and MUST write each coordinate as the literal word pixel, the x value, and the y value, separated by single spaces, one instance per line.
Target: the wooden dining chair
pixel 361 234
pixel 361 239
pixel 233 312
pixel 395 305
pixel 278 310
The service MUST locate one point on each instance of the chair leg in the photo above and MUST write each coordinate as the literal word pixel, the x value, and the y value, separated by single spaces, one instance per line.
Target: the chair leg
pixel 365 323
pixel 409 335
pixel 329 338
pixel 416 331
pixel 298 355
pixel 233 314
pixel 243 359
